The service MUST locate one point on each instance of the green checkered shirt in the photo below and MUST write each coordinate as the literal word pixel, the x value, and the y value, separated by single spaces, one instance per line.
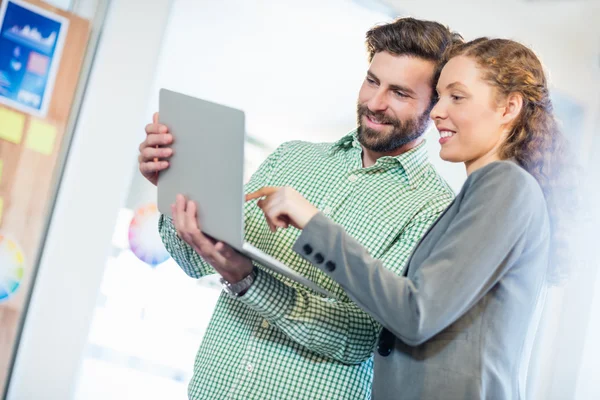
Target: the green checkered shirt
pixel 280 340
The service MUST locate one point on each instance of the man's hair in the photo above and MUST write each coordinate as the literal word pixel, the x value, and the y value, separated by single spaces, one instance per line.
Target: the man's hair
pixel 428 40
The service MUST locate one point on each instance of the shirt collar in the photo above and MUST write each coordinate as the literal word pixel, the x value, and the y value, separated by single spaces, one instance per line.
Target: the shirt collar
pixel 346 142
pixel 412 162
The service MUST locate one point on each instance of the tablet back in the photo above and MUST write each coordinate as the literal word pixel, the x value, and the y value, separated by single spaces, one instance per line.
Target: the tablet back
pixel 207 165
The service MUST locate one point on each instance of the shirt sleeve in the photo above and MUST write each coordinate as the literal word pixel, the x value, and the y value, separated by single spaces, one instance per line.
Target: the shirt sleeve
pixel 480 245
pixel 336 329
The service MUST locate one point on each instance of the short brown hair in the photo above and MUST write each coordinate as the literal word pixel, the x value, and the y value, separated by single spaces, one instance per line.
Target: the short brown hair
pixel 413 37
pixel 408 36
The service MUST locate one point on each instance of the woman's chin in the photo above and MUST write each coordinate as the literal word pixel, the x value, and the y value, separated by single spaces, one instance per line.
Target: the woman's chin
pixel 450 156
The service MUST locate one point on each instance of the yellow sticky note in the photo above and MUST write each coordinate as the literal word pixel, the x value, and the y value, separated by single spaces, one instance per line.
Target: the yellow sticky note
pixel 40 137
pixel 11 125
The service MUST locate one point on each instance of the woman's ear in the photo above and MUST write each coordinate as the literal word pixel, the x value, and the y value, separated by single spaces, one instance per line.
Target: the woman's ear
pixel 512 108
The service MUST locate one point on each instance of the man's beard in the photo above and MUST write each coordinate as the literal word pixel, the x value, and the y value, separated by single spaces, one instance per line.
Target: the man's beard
pixel 402 132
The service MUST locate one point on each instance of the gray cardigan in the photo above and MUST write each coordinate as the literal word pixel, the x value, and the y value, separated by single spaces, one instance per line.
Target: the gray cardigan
pixel 457 323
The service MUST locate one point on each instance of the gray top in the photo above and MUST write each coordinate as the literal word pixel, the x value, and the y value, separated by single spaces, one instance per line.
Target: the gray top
pixel 462 315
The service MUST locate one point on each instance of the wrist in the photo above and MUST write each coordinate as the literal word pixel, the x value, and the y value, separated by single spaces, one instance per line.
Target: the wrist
pixel 235 277
pixel 310 213
pixel 240 287
pixel 239 272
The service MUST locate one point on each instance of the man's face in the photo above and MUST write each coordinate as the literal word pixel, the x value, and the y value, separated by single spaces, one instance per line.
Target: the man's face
pixel 393 102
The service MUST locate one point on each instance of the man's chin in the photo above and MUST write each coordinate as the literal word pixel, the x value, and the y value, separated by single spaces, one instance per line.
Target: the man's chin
pixel 371 143
pixel 381 143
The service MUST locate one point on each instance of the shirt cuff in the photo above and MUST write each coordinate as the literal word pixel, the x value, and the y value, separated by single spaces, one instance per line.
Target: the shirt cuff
pixel 269 297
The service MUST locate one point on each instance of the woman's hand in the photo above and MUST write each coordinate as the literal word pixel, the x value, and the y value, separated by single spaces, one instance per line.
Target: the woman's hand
pixel 283 206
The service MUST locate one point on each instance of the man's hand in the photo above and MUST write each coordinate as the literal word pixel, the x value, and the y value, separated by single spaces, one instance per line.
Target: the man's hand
pixel 283 206
pixel 230 264
pixel 152 158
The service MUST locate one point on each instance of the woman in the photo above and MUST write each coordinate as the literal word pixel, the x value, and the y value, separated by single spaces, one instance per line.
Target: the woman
pixel 457 322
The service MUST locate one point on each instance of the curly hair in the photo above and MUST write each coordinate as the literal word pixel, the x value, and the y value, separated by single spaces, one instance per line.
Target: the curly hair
pixel 535 139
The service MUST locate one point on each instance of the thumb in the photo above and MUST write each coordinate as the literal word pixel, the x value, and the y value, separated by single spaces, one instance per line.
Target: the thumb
pixel 155 118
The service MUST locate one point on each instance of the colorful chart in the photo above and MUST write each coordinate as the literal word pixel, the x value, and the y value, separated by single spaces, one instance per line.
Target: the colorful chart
pixel 11 268
pixel 144 239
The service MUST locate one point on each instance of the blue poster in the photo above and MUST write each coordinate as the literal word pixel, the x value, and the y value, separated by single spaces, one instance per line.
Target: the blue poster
pixel 31 43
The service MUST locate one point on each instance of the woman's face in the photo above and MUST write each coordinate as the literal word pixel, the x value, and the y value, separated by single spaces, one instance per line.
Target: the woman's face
pixel 471 124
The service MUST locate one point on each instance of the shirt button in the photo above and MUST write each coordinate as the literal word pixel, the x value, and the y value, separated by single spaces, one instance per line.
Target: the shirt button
pixel 265 324
pixel 353 178
pixel 249 367
pixel 327 210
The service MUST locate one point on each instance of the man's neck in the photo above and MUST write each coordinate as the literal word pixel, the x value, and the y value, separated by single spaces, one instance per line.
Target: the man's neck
pixel 369 158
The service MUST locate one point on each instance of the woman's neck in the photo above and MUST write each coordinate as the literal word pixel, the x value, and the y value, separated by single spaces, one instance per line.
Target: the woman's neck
pixel 481 162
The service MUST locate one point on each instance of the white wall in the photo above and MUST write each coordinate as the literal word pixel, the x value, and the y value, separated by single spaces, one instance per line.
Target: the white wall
pixel 294 67
pixel 97 175
pixel 588 386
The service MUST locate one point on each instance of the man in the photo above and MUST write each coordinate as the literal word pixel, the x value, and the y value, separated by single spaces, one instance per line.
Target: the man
pixel 270 338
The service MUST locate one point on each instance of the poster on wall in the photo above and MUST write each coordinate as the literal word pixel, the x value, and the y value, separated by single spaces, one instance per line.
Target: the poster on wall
pixel 31 45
